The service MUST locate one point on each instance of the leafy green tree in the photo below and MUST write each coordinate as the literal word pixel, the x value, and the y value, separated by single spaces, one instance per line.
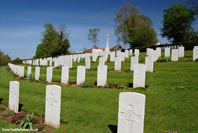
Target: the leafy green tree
pixel 53 43
pixel 132 27
pixel 93 36
pixel 4 59
pixel 17 61
pixel 177 22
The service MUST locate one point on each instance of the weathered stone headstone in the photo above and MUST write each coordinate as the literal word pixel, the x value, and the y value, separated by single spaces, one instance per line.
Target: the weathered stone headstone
pixel 65 75
pixel 37 73
pixel 117 63
pixel 149 64
pixel 131 112
pixel 112 56
pixel 80 74
pixel 181 51
pixel 53 105
pixel 102 75
pixel 139 75
pixel 195 53
pixel 175 55
pixel 14 96
pixel 49 74
pixel 29 69
pixel 134 61
pixel 167 52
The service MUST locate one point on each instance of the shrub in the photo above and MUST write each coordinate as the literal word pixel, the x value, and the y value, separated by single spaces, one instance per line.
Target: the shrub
pixel 121 87
pixel 30 77
pixel 2 108
pixel 27 121
pixel 7 113
pixel 16 119
pixel 86 85
pixel 107 86
pixel 40 127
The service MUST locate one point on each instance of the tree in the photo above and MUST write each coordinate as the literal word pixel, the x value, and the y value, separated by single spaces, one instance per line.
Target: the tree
pixel 17 61
pixel 131 26
pixel 177 22
pixel 53 43
pixel 4 59
pixel 93 36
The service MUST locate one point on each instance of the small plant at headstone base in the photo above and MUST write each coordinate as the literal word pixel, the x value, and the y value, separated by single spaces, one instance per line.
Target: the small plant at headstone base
pixel 160 60
pixel 7 113
pixel 27 121
pixel 167 59
pixel 8 68
pixel 2 108
pixel 58 67
pixel 17 118
pixel 30 77
pixel 121 87
pixel 82 60
pixel 141 59
pixel 40 127
pixel 86 85
pixel 107 86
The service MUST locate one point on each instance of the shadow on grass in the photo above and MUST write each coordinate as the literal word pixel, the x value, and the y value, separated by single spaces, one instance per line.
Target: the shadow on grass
pixel 20 107
pixel 1 99
pixel 130 84
pixel 113 128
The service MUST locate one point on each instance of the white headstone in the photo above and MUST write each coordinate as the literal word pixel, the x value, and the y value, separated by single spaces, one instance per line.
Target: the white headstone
pixel 139 75
pixel 49 74
pixel 167 52
pixel 175 55
pixel 80 74
pixel 14 96
pixel 134 61
pixel 102 75
pixel 149 64
pixel 87 63
pixel 131 112
pixel 158 51
pixel 155 55
pixel 117 63
pixel 195 53
pixel 29 70
pixel 137 52
pixel 37 73
pixel 101 61
pixel 53 105
pixel 126 54
pixel 65 75
pixel 130 52
pixel 181 51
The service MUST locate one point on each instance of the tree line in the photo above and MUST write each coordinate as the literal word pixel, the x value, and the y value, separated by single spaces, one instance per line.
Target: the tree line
pixel 131 27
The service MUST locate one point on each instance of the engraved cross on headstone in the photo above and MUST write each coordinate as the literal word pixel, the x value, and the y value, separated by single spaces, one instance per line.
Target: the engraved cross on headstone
pixel 52 102
pixel 130 117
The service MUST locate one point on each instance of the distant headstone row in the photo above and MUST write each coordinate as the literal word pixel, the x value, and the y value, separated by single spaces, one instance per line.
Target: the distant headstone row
pixel 130 113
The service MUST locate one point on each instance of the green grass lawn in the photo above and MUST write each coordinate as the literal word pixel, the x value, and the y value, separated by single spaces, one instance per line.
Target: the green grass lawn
pixel 171 98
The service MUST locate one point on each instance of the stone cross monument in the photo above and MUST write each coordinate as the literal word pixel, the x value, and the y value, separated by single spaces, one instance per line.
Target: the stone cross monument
pixel 107 47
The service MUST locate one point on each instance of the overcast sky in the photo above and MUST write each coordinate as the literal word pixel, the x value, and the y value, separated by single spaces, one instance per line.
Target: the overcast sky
pixel 21 21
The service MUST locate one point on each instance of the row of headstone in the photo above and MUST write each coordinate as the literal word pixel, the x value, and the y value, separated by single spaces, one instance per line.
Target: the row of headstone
pixel 18 70
pixel 130 113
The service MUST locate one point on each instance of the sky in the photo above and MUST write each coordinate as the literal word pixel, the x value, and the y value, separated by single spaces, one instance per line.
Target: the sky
pixel 21 22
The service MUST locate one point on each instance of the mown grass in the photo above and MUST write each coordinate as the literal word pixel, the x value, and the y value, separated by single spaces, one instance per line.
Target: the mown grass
pixel 171 99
